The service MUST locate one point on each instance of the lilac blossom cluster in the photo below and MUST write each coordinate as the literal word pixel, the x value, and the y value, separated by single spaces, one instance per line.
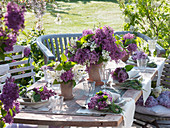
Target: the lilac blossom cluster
pixel 14 18
pixel 27 51
pixel 66 76
pixel 45 93
pixel 139 55
pixel 120 74
pixel 83 55
pixel 163 99
pixel 100 47
pixel 100 101
pixel 9 95
pixel 132 47
pixel 14 21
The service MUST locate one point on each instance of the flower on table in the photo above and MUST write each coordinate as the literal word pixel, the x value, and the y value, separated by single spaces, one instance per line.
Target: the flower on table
pixel 103 100
pixel 129 42
pixel 95 47
pixel 120 74
pixel 139 55
pixel 150 102
pixel 42 93
pixel 164 99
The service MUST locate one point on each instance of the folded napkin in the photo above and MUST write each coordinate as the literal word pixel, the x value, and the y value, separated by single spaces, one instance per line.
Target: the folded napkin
pixel 133 73
pixel 113 95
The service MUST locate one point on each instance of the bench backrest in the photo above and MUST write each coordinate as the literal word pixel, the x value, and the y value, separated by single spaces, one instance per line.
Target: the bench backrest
pixel 54 44
pixel 57 43
pixel 15 68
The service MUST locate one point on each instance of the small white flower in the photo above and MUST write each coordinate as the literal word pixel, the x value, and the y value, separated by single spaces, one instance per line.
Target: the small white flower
pixel 105 55
pixel 156 91
pixel 56 64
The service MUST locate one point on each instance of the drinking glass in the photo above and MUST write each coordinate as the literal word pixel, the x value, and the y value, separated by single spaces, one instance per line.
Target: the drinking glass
pixel 142 63
pixel 57 103
pixel 91 86
pixel 104 75
pixel 152 46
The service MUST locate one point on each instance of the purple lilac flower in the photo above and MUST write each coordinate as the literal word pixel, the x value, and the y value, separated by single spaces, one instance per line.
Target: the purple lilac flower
pixel 128 36
pixel 86 32
pixel 45 94
pixel 98 101
pixel 26 52
pixel 150 102
pixel 139 55
pixel 66 76
pixel 132 47
pixel 164 99
pixel 84 55
pixel 119 74
pixel 14 18
pixel 9 95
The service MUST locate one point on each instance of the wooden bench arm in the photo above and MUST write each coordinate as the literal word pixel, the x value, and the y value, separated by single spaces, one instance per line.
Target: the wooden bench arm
pixel 46 52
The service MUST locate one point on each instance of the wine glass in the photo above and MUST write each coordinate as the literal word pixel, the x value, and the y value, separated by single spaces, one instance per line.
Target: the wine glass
pixel 152 46
pixel 104 75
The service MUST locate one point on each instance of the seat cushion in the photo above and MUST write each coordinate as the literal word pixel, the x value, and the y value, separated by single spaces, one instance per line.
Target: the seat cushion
pixel 157 110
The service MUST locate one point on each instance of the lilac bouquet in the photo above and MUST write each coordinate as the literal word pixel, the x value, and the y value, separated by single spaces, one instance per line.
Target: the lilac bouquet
pixel 120 75
pixel 14 21
pixel 103 101
pixel 139 55
pixel 95 47
pixel 42 93
pixel 66 71
pixel 129 42
pixel 9 104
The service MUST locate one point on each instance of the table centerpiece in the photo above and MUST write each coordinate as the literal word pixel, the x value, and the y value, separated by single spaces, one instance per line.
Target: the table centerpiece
pixel 94 49
pixel 66 73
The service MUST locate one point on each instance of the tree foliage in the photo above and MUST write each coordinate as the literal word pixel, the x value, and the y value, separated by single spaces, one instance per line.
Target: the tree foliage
pixel 150 17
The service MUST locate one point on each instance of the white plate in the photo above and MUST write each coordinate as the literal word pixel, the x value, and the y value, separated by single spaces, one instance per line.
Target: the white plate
pixel 34 104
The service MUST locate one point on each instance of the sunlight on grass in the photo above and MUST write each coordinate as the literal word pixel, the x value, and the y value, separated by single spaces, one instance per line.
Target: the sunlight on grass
pixel 77 16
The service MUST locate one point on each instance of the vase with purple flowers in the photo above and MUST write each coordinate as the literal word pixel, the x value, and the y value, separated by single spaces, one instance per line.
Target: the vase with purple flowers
pixel 94 48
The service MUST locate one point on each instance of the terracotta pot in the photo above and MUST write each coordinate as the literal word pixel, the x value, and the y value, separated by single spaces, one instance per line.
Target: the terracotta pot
pixel 94 75
pixel 125 58
pixel 67 90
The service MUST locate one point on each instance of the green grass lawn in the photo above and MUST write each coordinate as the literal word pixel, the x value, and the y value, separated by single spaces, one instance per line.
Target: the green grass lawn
pixel 78 15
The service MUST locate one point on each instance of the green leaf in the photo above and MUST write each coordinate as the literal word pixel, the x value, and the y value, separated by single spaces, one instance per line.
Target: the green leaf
pixel 68 65
pixel 2 56
pixel 37 97
pixel 128 67
pixel 51 64
pixel 63 57
pixel 11 113
pixel 3 112
pixel 59 67
pixel 117 37
pixel 2 124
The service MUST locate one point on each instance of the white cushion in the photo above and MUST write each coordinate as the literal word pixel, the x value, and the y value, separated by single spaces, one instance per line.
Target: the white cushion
pixel 157 110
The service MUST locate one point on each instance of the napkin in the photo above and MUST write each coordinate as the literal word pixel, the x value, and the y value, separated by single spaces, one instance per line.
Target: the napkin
pixel 113 95
pixel 133 73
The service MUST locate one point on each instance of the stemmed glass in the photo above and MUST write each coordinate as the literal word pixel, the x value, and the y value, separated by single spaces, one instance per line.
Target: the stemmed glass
pixel 152 46
pixel 104 75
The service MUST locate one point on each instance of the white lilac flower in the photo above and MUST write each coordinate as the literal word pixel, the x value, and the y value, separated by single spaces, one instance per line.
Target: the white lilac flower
pixel 93 46
pixel 105 55
pixel 156 91
pixel 73 42
pixel 78 71
pixel 56 64
pixel 85 45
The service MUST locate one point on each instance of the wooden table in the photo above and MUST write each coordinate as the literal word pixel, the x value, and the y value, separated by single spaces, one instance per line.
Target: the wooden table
pixel 69 117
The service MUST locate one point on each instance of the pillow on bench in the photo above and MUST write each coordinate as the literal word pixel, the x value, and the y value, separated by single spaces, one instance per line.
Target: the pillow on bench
pixel 157 110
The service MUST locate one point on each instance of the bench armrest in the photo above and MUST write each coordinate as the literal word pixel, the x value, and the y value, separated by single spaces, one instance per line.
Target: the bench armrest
pixel 46 52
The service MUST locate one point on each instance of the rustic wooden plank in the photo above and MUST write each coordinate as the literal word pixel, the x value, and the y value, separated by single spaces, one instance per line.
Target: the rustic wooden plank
pixel 167 65
pixel 167 69
pixel 66 120
pixel 165 82
pixel 134 94
pixel 21 69
pixel 166 73
pixel 24 75
pixel 20 62
pixel 165 78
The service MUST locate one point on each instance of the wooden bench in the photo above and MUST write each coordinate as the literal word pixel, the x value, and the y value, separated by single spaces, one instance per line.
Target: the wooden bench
pixel 54 44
